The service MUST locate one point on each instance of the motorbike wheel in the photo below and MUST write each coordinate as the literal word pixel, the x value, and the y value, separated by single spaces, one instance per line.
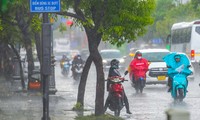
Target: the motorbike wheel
pixel 117 112
pixel 137 87
pixel 141 89
pixel 141 86
pixel 181 94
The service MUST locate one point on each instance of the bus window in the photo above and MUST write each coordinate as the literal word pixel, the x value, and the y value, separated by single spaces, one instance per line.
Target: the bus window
pixel 197 29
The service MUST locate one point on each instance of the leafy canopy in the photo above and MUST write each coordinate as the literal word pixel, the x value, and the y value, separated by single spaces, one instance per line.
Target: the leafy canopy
pixel 119 21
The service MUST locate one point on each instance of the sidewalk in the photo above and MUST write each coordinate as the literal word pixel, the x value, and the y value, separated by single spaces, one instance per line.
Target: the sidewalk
pixel 18 105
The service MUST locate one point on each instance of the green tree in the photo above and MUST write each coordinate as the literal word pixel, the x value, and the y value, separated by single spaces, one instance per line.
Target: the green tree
pixel 3 5
pixel 183 12
pixel 162 8
pixel 19 27
pixel 116 22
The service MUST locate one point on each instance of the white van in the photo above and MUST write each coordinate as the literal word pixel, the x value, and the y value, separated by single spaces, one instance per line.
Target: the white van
pixel 157 73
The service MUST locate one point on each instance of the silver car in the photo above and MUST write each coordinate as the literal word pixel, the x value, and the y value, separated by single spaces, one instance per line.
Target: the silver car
pixel 110 54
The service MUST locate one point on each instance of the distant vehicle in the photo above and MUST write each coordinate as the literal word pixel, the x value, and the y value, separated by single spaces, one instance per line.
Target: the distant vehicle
pixel 110 54
pixel 131 55
pixel 132 52
pixel 74 53
pixel 157 73
pixel 185 38
pixel 61 45
pixel 59 55
pixel 35 82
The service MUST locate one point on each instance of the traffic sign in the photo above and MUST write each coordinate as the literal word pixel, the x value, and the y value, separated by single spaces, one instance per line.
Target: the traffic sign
pixel 42 6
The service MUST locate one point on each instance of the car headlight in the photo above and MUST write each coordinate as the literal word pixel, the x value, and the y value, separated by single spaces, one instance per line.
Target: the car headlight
pixel 121 60
pixel 105 61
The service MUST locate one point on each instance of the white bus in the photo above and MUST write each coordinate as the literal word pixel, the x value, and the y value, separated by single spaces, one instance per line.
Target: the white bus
pixel 185 37
pixel 61 45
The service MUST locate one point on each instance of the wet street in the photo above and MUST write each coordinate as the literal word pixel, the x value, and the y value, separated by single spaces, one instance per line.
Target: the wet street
pixel 151 105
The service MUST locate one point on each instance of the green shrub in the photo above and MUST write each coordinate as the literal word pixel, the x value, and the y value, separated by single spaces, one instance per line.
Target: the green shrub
pixel 78 107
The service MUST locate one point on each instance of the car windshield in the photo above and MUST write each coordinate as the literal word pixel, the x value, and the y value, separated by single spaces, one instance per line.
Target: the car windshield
pixel 111 54
pixel 154 56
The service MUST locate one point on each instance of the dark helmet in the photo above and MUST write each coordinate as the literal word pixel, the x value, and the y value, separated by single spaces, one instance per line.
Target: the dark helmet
pixel 114 63
pixel 138 54
pixel 78 56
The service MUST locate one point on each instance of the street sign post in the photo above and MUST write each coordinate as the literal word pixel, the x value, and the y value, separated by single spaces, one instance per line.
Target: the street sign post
pixel 42 6
pixel 45 7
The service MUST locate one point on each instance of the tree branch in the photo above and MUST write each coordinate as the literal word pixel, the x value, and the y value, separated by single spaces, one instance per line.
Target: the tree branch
pixel 71 15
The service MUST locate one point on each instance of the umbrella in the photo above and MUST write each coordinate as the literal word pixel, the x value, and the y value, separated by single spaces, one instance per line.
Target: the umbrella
pixel 170 61
pixel 181 66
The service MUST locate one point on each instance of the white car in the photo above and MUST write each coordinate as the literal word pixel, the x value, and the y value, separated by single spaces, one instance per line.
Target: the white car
pixel 157 73
pixel 110 54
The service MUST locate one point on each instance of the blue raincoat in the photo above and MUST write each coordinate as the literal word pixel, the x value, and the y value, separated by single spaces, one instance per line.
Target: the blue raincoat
pixel 177 67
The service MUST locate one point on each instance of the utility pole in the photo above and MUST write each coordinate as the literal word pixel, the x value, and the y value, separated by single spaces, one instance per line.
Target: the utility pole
pixel 45 7
pixel 46 64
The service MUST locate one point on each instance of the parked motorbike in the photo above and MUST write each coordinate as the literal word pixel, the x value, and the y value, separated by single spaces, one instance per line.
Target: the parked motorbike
pixel 35 82
pixel 116 90
pixel 65 69
pixel 78 69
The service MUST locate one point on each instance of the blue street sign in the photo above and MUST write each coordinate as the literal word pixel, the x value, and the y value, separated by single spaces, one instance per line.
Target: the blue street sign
pixel 44 6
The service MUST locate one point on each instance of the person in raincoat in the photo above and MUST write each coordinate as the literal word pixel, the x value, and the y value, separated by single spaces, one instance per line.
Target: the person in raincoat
pixel 180 64
pixel 138 67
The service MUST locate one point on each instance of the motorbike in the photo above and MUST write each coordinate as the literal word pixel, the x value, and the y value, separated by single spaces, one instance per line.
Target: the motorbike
pixel 78 69
pixel 178 74
pixel 65 69
pixel 179 84
pixel 139 84
pixel 139 81
pixel 116 90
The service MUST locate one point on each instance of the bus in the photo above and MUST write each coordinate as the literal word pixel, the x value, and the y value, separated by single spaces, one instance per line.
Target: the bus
pixel 61 45
pixel 185 37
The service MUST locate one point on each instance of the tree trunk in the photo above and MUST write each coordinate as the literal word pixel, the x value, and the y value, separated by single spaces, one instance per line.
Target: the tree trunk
pixel 20 66
pixel 82 84
pixel 29 54
pixel 99 102
pixel 94 40
pixel 38 45
pixel 23 25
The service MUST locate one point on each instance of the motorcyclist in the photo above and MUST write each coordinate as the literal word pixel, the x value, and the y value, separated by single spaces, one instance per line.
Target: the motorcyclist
pixel 177 64
pixel 113 71
pixel 64 58
pixel 77 60
pixel 137 63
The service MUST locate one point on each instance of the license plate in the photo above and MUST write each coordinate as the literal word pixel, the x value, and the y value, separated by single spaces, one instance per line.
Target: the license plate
pixel 161 77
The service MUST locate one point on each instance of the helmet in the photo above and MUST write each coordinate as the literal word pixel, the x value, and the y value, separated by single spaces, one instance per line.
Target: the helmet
pixel 177 57
pixel 78 56
pixel 114 63
pixel 138 55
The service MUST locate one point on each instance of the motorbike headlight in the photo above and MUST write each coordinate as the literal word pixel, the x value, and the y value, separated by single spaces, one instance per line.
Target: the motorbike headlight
pixel 121 60
pixel 105 61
